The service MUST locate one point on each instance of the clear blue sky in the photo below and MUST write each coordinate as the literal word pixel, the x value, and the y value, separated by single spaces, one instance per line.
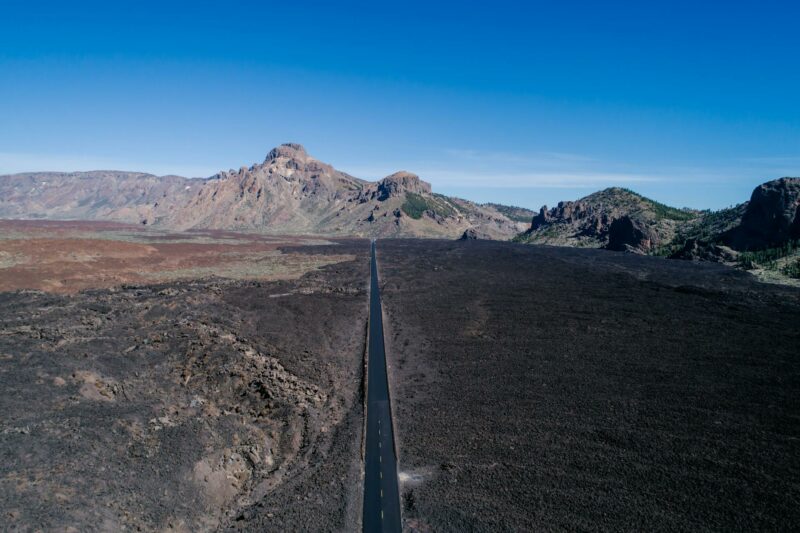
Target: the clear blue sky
pixel 692 103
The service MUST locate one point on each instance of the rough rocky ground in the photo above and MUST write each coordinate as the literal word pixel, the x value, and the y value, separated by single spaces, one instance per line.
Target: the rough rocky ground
pixel 540 388
pixel 186 406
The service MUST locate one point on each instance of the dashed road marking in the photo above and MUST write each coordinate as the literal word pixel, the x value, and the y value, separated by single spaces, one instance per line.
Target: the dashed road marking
pixel 379 410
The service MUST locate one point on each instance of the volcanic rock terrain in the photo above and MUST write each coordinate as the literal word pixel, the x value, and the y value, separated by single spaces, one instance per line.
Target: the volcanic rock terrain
pixel 541 388
pixel 197 405
pixel 213 381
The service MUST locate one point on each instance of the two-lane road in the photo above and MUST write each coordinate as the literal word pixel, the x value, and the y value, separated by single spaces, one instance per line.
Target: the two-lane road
pixel 381 494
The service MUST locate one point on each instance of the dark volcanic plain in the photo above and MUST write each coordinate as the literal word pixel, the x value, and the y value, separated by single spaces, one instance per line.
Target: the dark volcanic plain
pixel 188 405
pixel 533 388
pixel 539 388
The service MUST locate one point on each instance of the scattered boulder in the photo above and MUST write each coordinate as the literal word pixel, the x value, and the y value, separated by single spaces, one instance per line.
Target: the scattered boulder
pixel 473 234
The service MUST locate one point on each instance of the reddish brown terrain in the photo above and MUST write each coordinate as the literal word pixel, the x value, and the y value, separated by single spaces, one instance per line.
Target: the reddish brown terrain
pixel 67 257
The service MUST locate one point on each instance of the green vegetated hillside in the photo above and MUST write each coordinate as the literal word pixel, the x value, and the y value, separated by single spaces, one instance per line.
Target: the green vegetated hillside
pixel 518 214
pixel 416 206
pixel 759 235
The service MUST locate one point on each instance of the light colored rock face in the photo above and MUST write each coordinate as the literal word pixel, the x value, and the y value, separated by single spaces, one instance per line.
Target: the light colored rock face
pixel 289 193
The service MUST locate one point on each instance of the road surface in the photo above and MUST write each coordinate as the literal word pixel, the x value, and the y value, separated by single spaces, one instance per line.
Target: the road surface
pixel 381 494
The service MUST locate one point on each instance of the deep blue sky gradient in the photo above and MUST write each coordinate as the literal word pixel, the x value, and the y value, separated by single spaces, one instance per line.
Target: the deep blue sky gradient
pixel 692 103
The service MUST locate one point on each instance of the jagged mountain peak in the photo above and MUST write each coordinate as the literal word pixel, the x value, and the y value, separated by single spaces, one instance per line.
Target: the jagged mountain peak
pixel 288 151
pixel 290 192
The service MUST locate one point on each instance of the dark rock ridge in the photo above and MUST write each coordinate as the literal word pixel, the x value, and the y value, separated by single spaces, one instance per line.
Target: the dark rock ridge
pixel 772 216
pixel 287 150
pixel 627 234
pixel 473 234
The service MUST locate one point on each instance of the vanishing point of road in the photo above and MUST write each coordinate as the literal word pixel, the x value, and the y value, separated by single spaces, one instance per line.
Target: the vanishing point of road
pixel 381 494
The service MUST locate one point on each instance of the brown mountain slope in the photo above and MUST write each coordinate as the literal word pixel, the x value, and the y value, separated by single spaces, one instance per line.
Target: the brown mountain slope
pixel 289 193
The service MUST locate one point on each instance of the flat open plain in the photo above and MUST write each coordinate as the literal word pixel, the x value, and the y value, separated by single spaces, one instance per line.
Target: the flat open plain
pixel 539 388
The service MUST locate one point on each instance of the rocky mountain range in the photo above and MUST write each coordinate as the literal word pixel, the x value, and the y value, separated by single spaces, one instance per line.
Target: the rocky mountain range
pixel 293 193
pixel 761 235
pixel 289 193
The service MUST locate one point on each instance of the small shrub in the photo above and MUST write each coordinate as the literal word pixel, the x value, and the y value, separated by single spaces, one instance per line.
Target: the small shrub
pixel 792 269
pixel 768 257
pixel 415 206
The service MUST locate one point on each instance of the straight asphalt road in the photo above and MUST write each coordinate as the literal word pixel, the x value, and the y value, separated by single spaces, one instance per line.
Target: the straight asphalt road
pixel 381 493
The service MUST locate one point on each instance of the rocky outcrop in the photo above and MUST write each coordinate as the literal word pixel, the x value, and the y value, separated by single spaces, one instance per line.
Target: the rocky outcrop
pixel 613 218
pixel 626 234
pixel 400 183
pixel 697 250
pixel 292 151
pixel 473 234
pixel 583 217
pixel 772 217
pixel 540 219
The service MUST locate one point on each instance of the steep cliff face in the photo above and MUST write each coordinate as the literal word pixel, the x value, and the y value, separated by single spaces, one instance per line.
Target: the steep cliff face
pixel 290 192
pixel 771 218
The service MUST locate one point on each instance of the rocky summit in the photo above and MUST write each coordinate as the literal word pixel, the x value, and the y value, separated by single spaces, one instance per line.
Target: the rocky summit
pixel 614 218
pixel 289 193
